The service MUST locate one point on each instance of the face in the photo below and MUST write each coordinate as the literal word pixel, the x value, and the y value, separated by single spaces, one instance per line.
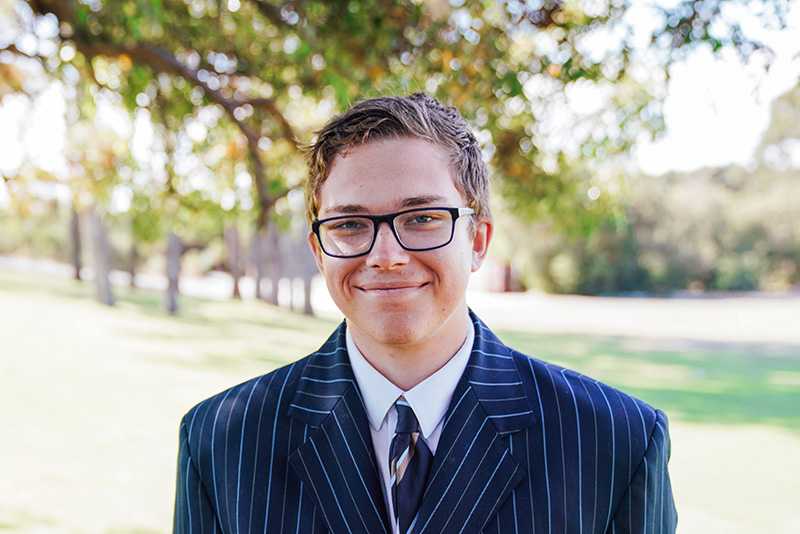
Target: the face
pixel 391 295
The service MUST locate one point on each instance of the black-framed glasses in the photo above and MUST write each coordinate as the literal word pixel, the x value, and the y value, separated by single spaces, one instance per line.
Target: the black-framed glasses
pixel 350 236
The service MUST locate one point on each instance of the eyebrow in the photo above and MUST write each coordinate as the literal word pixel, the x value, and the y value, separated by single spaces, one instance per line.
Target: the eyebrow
pixel 409 202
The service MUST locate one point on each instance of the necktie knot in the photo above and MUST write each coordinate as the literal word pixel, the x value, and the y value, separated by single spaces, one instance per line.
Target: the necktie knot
pixel 407 422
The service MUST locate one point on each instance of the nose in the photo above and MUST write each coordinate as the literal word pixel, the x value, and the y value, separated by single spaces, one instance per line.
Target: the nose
pixel 386 252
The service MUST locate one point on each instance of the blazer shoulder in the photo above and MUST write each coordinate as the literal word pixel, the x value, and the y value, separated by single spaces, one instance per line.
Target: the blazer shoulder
pixel 269 393
pixel 616 411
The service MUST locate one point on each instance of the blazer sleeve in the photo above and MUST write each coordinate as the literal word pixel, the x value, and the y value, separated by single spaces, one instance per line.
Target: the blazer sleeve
pixel 648 506
pixel 193 509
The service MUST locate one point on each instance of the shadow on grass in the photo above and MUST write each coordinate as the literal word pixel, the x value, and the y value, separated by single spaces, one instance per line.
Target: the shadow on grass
pixel 192 310
pixel 206 334
pixel 706 382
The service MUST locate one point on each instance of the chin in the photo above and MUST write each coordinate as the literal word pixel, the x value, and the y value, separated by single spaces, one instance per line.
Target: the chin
pixel 399 328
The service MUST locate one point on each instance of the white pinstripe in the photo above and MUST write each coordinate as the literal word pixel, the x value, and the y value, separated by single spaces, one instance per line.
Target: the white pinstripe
pixel 613 451
pixel 332 381
pixel 530 484
pixel 286 474
pixel 596 451
pixel 662 460
pixel 495 384
pixel 561 435
pixel 225 476
pixel 213 441
pixel 331 353
pixel 272 447
pixel 241 447
pixel 503 416
pixel 493 355
pixel 544 445
pixel 309 394
pixel 186 485
pixel 498 369
pixel 300 496
pixel 312 410
pixel 644 515
pixel 258 439
pixel 513 493
pixel 580 459
pixel 630 458
pixel 340 364
pixel 645 441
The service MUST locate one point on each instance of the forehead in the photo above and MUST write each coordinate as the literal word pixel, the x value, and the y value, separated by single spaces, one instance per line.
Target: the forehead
pixel 388 174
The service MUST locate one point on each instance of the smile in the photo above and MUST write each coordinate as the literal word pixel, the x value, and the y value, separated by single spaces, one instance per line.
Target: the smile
pixel 394 290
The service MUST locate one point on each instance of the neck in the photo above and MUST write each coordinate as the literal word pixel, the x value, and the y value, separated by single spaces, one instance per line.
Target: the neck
pixel 406 365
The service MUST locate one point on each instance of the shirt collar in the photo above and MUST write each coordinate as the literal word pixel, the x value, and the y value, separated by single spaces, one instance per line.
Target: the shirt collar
pixel 429 399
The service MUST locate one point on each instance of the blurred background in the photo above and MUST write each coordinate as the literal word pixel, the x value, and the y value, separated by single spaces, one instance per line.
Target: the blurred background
pixel 644 157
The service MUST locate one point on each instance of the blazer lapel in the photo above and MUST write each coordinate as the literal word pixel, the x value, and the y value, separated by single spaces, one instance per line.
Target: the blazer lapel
pixel 337 461
pixel 473 470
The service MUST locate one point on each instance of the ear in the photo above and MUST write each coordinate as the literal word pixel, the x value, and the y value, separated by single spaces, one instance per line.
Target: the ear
pixel 480 242
pixel 313 244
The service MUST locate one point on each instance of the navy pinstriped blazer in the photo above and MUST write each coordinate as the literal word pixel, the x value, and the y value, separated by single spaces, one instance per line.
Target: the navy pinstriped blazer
pixel 527 446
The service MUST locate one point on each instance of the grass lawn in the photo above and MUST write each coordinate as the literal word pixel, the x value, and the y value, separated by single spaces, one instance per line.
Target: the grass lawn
pixel 92 397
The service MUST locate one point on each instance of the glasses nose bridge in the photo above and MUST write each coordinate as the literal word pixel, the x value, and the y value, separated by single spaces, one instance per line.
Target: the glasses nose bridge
pixel 389 220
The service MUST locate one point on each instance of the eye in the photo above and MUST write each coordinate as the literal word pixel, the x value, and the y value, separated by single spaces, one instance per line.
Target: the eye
pixel 347 225
pixel 421 219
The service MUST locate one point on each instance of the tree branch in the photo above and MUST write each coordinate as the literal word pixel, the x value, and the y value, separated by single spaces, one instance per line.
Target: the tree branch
pixel 163 61
pixel 269 105
pixel 270 12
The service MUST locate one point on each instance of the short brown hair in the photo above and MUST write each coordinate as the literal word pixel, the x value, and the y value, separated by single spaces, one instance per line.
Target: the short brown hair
pixel 418 115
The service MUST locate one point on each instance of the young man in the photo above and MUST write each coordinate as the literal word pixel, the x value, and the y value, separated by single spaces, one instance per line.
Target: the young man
pixel 413 416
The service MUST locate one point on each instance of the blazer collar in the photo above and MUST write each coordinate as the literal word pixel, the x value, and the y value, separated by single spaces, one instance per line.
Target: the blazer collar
pixel 325 379
pixel 473 470
pixel 493 375
pixel 491 372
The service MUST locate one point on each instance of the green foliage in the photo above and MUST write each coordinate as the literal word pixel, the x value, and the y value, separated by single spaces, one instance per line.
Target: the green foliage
pixel 256 78
pixel 489 59
pixel 719 229
pixel 41 233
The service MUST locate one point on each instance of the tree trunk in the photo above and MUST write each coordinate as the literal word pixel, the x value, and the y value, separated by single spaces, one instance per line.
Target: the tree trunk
pixel 259 250
pixel 307 308
pixel 275 264
pixel 133 261
pixel 102 258
pixel 256 258
pixel 234 253
pixel 307 267
pixel 75 242
pixel 173 263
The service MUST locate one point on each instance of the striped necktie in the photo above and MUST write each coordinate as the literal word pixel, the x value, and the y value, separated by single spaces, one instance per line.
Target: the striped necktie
pixel 409 462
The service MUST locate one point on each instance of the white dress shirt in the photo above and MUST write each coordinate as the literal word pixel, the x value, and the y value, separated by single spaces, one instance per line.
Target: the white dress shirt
pixel 429 399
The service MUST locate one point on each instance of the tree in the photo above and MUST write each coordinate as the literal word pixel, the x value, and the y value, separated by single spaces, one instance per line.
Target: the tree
pixel 276 70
